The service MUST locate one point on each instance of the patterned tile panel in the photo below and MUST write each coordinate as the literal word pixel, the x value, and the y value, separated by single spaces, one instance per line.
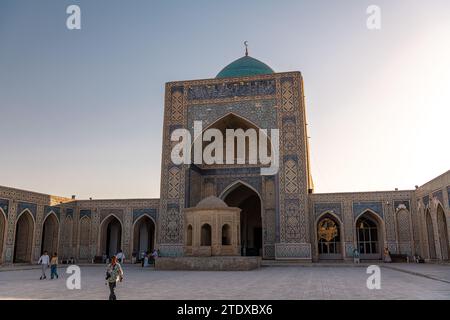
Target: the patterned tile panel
pixel 86 213
pixel 439 195
pixel 56 210
pixel 360 207
pixel 152 212
pixel 26 205
pixel 335 208
pixel 233 89
pixel 69 212
pixel 4 204
pixel 400 203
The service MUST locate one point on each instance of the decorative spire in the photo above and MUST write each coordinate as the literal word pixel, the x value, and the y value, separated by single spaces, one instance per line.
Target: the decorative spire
pixel 246 47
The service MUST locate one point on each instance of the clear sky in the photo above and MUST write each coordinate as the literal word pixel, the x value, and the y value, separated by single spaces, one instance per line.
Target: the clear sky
pixel 81 111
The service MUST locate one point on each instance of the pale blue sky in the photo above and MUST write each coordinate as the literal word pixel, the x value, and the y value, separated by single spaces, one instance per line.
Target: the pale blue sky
pixel 81 111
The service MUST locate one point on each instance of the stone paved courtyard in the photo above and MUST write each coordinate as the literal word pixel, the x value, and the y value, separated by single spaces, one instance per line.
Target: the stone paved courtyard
pixel 284 282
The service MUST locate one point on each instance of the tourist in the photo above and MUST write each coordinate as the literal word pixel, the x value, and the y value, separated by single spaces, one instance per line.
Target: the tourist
pixel 114 274
pixel 147 259
pixel 355 256
pixel 155 255
pixel 120 256
pixel 387 255
pixel 44 262
pixel 54 266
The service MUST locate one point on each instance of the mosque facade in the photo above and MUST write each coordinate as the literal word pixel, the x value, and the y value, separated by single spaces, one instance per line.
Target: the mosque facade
pixel 281 217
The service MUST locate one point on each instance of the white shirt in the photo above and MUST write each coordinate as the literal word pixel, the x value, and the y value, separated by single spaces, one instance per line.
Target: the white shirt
pixel 120 256
pixel 44 259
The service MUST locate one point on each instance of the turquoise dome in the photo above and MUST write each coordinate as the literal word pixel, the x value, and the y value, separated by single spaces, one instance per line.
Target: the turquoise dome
pixel 244 67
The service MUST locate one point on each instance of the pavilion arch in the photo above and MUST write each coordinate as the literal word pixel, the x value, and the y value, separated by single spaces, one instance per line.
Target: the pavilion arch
pixel 247 198
pixel 3 225
pixel 189 239
pixel 334 248
pixel 206 235
pixel 144 234
pixel 430 234
pixel 84 236
pixel 110 235
pixel 226 234
pixel 234 121
pixel 442 231
pixel 369 235
pixel 50 233
pixel 24 236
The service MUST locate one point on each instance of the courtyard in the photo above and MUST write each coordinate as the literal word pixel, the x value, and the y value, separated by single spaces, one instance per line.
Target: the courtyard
pixel 398 281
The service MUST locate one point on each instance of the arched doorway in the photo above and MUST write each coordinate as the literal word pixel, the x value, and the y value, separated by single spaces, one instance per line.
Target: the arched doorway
pixel 50 228
pixel 329 244
pixel 2 232
pixel 24 238
pixel 111 236
pixel 143 236
pixel 205 239
pixel 245 198
pixel 443 232
pixel 430 235
pixel 369 236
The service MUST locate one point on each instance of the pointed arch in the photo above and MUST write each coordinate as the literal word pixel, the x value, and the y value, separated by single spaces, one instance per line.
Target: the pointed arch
pixel 234 185
pixel 232 120
pixel 3 225
pixel 247 198
pixel 329 249
pixel 24 236
pixel 110 235
pixel 50 233
pixel 369 235
pixel 143 235
pixel 443 232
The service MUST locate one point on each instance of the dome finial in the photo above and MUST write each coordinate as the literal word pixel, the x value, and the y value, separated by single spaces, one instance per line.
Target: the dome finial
pixel 246 47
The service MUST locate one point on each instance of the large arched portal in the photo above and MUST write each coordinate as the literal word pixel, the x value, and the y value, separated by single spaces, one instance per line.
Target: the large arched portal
pixel 24 238
pixel 111 236
pixel 249 202
pixel 243 141
pixel 50 228
pixel 369 236
pixel 430 235
pixel 143 235
pixel 2 232
pixel 443 233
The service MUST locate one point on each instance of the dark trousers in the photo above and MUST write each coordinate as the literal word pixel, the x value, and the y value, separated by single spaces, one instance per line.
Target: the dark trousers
pixel 112 295
pixel 54 272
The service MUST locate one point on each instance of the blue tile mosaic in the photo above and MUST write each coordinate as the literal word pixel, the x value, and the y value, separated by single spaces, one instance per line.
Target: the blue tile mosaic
pixel 152 212
pixel 32 207
pixel 232 89
pixel 360 207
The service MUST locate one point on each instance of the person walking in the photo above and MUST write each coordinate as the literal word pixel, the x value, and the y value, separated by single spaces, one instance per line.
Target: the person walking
pixel 114 274
pixel 54 266
pixel 120 256
pixel 44 262
pixel 387 256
